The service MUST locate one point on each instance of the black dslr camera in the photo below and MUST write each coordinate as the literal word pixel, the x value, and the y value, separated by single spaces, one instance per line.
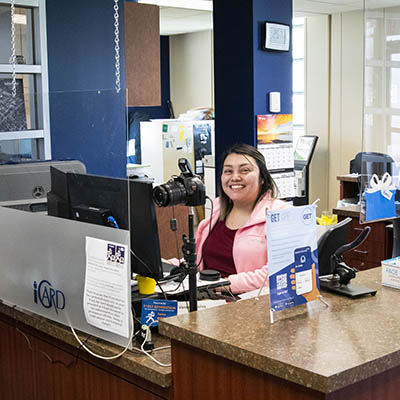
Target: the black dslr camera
pixel 186 189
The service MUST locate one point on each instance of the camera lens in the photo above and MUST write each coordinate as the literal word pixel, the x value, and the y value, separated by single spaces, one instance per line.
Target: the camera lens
pixel 169 194
pixel 160 196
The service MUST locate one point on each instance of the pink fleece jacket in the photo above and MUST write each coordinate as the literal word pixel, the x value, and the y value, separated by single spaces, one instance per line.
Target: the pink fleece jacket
pixel 249 245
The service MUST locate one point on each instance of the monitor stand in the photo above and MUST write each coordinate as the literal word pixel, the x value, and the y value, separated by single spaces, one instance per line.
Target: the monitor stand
pixel 350 290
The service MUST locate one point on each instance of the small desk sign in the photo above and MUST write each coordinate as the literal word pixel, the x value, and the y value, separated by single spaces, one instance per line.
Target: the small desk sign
pixel 391 273
pixel 153 309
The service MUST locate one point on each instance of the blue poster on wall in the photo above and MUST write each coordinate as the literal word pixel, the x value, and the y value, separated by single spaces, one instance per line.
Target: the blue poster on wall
pixel 292 257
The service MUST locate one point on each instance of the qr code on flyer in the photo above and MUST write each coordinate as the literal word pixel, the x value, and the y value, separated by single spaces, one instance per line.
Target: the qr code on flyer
pixel 281 281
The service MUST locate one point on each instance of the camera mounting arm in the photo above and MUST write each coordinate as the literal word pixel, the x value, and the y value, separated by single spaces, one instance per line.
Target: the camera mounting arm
pixel 185 168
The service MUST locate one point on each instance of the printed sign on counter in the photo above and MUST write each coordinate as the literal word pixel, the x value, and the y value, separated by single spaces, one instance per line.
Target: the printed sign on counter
pixel 292 257
pixel 153 309
pixel 107 281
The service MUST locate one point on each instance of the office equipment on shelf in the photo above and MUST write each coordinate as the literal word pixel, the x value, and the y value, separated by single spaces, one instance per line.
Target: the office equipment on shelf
pixel 302 159
pixel 378 245
pixel 396 238
pixel 25 185
pixel 163 142
pixel 105 201
pixel 334 274
pixel 370 157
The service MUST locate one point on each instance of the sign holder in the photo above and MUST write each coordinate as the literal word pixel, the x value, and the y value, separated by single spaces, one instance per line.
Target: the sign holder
pixel 292 258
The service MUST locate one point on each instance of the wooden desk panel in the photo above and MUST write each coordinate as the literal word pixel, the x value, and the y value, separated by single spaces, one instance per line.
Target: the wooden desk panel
pixel 34 366
pixel 200 375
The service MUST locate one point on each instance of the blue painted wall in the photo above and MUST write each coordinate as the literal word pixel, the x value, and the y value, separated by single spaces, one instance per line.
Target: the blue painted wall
pixel 244 73
pixel 87 116
pixel 233 72
pixel 272 70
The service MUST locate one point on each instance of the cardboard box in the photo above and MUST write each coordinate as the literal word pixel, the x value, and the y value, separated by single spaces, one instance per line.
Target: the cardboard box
pixel 391 273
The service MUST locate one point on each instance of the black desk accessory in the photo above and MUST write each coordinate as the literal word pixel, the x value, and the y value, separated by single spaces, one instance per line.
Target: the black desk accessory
pixel 210 275
pixel 335 274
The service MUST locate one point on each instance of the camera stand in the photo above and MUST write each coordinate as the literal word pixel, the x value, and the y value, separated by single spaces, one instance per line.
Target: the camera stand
pixel 190 267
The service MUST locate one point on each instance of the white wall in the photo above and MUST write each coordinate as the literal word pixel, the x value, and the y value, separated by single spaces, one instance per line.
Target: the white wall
pixel 347 93
pixel 191 71
pixel 317 60
pixel 334 99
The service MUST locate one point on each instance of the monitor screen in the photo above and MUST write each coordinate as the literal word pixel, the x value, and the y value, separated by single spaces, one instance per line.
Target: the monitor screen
pixel 93 199
pixel 305 148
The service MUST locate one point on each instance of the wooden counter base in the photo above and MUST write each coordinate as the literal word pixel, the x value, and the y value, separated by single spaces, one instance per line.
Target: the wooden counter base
pixel 201 375
pixel 33 365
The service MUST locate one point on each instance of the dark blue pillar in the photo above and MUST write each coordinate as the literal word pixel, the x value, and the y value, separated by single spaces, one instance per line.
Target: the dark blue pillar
pixel 244 73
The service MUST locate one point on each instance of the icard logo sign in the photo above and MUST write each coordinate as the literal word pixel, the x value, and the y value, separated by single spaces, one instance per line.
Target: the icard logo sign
pixel 47 296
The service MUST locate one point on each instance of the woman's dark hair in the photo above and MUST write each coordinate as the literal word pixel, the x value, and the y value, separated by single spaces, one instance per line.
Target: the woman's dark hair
pixel 266 181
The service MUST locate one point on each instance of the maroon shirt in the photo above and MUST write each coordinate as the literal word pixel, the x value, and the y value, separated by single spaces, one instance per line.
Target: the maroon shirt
pixel 217 251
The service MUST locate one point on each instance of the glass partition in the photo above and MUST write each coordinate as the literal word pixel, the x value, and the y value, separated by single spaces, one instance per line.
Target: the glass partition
pixel 382 78
pixel 65 234
pixel 379 164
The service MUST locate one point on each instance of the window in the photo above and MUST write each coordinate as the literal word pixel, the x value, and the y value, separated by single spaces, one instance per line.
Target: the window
pixel 382 81
pixel 24 119
pixel 298 77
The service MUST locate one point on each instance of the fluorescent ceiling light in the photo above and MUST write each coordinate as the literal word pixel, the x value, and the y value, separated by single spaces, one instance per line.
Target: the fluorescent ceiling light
pixel 204 5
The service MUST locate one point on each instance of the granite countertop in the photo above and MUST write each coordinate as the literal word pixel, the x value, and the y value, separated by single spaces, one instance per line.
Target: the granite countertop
pixel 348 211
pixel 133 362
pixel 320 347
pixel 348 178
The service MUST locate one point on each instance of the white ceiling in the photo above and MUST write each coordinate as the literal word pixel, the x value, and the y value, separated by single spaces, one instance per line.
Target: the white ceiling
pixel 174 20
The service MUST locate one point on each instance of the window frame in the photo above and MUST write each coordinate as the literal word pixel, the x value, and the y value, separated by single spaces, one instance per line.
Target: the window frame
pixel 384 110
pixel 39 70
pixel 299 129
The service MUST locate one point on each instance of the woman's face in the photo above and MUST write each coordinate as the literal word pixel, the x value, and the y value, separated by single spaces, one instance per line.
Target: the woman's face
pixel 240 179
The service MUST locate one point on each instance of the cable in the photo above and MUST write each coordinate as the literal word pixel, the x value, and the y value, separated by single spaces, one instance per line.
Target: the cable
pixel 161 348
pixel 98 355
pixel 209 231
pixel 70 364
pixel 111 220
pixel 148 354
pixel 176 232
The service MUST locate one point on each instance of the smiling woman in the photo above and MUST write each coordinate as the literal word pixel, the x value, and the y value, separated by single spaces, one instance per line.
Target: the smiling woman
pixel 234 241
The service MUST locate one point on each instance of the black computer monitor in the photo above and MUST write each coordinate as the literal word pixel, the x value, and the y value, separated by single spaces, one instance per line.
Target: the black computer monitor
pixel 145 244
pixel 335 237
pixel 57 197
pixel 93 199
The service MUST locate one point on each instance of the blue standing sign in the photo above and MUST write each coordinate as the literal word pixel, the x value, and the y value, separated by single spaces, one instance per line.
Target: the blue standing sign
pixel 153 309
pixel 292 257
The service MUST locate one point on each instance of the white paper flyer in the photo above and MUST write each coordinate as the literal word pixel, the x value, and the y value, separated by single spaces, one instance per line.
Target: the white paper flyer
pixel 107 281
